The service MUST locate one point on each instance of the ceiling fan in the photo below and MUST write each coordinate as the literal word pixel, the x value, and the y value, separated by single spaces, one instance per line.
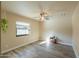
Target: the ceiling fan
pixel 43 15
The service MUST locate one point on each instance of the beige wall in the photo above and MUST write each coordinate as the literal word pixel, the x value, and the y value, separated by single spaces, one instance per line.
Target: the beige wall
pixel 75 23
pixel 60 26
pixel 9 40
pixel 0 28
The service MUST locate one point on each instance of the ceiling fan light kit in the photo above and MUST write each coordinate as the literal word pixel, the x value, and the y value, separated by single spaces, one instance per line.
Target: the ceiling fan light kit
pixel 43 16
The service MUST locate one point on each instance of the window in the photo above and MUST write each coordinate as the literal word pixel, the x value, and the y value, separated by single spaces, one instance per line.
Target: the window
pixel 22 29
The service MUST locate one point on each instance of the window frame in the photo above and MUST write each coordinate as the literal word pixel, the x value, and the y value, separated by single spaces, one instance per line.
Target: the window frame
pixel 26 26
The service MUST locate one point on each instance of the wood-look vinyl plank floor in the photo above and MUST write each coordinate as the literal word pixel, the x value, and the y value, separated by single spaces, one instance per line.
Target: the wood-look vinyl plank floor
pixel 45 50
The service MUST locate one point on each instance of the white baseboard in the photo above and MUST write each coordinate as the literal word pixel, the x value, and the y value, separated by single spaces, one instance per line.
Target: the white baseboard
pixel 65 43
pixel 16 47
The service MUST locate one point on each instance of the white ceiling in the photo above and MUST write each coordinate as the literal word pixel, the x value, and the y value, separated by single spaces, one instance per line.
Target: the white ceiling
pixel 32 9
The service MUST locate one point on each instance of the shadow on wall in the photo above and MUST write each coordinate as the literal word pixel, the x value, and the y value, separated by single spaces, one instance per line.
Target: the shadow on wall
pixel 63 39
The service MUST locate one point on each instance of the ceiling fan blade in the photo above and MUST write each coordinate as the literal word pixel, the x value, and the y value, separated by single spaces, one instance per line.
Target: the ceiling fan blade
pixel 35 17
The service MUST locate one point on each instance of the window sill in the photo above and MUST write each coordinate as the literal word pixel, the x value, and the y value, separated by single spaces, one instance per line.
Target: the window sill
pixel 22 35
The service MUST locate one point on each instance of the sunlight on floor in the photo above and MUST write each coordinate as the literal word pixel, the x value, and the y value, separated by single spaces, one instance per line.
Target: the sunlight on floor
pixel 47 42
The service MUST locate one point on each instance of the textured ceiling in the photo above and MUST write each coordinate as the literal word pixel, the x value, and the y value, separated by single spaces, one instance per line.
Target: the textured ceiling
pixel 32 9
